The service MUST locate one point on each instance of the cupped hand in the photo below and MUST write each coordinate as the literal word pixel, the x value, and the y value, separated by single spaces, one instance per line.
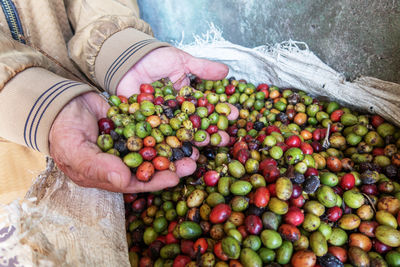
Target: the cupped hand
pixel 172 63
pixel 175 64
pixel 73 138
pixel 74 132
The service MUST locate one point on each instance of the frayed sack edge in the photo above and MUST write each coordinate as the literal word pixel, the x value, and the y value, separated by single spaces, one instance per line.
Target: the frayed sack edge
pixel 291 64
pixel 62 224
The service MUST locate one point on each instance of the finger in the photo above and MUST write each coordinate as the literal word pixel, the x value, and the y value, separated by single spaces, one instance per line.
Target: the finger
pixel 130 83
pixel 206 69
pixel 185 167
pixel 234 113
pixel 94 166
pixel 180 82
pixel 195 154
pixel 160 180
pixel 101 107
pixel 225 138
pixel 203 143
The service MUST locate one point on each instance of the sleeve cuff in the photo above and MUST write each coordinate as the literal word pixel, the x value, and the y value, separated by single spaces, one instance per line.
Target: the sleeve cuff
pixel 119 53
pixel 31 101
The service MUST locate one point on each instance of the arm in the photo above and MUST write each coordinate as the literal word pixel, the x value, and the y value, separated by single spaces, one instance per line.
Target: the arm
pixel 58 116
pixel 114 49
pixel 31 95
pixel 109 39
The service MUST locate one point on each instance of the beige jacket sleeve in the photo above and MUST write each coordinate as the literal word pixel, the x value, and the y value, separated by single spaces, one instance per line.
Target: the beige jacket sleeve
pixel 30 104
pixel 109 39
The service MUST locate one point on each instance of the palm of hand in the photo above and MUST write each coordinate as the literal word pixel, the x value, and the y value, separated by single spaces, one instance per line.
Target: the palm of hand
pixel 74 132
pixel 73 146
pixel 172 63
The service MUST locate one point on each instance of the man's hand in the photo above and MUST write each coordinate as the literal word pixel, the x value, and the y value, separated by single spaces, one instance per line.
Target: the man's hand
pixel 74 132
pixel 73 137
pixel 175 64
pixel 172 63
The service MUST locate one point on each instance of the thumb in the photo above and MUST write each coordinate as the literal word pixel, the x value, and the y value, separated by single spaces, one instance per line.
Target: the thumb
pixel 160 180
pixel 206 69
pixel 185 167
pixel 102 169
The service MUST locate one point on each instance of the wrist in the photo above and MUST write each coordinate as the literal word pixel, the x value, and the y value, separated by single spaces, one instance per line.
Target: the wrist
pixel 43 98
pixel 119 53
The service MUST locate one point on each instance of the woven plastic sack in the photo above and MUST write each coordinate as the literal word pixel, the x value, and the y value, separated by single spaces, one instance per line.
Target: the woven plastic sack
pixel 292 65
pixel 61 224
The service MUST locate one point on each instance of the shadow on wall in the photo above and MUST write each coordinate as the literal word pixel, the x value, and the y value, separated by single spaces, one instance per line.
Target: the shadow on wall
pixel 353 37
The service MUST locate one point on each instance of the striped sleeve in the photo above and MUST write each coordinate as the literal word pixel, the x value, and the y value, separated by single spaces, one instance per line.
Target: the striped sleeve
pixel 30 102
pixel 119 53
pixel 109 39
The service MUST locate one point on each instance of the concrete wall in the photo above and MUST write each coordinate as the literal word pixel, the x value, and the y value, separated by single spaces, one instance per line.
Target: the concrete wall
pixel 355 37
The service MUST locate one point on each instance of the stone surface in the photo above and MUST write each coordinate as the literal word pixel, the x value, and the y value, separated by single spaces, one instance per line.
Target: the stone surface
pixel 354 37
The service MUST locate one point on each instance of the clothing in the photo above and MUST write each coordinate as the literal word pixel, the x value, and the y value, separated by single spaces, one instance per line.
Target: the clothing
pixel 50 52
pixel 19 166
pixel 91 40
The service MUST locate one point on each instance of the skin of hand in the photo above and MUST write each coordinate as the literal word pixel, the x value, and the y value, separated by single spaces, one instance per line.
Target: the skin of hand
pixel 174 64
pixel 74 132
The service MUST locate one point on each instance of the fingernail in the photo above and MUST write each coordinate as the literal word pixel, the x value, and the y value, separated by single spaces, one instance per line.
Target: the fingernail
pixel 114 178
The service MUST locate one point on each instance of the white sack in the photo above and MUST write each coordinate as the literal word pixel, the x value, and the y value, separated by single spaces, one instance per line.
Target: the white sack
pixel 292 65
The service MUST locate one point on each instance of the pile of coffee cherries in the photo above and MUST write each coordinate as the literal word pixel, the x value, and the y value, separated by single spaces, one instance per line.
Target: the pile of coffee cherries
pixel 300 182
pixel 152 130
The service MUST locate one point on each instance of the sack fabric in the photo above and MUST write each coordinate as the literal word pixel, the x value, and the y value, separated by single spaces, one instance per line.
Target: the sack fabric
pixel 61 224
